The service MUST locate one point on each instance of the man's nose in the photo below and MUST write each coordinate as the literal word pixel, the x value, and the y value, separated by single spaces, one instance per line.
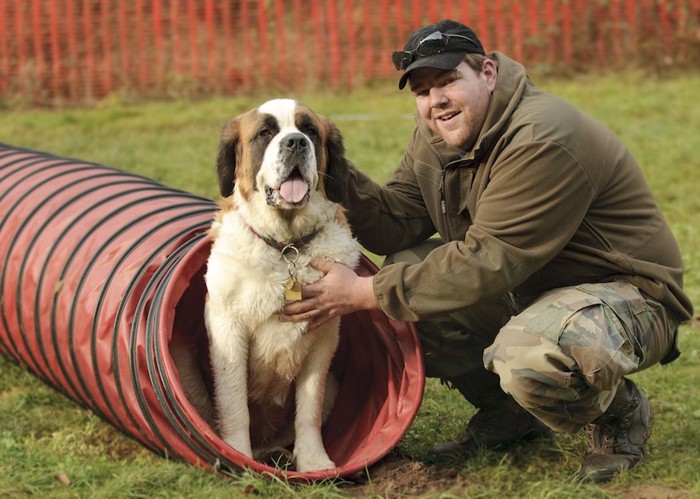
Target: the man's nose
pixel 437 97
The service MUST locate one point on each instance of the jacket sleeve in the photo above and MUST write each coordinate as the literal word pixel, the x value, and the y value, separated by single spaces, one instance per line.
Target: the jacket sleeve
pixel 388 218
pixel 536 198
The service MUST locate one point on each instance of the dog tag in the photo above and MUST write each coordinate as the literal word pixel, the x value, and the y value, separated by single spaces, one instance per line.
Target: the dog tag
pixel 292 289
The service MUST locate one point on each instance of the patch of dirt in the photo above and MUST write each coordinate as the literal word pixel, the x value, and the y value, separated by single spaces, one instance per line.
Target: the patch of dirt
pixel 399 476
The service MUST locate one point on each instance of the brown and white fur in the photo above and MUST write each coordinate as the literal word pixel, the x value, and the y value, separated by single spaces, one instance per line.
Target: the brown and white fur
pixel 268 373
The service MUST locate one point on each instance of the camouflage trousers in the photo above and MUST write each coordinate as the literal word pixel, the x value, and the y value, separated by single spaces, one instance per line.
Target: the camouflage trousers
pixel 561 356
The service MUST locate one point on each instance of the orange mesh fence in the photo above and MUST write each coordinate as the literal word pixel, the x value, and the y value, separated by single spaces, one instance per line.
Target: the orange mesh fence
pixel 68 51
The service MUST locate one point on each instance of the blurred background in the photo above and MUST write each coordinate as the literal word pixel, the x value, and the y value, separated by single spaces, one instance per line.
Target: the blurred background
pixel 77 52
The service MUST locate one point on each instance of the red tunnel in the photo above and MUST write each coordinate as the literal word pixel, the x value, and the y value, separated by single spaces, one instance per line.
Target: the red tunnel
pixel 102 276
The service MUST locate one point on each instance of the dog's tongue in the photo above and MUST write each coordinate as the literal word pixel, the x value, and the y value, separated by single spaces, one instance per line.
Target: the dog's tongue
pixel 293 190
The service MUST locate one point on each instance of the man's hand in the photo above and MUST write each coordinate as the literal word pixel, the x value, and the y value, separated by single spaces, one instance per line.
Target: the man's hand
pixel 340 291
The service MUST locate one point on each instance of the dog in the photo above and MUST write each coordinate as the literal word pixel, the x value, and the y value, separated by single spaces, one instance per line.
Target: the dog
pixel 270 377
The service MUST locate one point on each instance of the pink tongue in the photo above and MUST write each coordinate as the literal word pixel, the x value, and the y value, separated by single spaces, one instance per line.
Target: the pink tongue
pixel 293 190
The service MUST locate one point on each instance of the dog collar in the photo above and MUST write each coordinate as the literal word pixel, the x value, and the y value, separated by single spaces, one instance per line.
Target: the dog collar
pixel 283 246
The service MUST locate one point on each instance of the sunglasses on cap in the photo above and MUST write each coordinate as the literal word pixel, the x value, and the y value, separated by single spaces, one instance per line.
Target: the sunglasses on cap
pixel 433 44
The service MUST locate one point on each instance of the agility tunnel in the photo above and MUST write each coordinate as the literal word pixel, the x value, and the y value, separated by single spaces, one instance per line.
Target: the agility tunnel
pixel 102 280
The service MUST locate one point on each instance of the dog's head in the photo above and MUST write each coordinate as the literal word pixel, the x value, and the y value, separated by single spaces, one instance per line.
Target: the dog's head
pixel 280 150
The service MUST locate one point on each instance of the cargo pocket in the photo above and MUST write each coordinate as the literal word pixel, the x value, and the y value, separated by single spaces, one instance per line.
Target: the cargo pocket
pixel 627 303
pixel 647 325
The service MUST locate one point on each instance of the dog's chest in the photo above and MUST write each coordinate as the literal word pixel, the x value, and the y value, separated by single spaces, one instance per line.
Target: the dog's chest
pixel 252 287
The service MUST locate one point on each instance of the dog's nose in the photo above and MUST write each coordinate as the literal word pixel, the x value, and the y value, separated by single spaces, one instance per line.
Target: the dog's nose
pixel 295 142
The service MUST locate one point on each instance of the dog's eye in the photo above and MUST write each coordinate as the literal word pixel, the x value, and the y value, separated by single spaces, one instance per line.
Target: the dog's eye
pixel 310 132
pixel 264 133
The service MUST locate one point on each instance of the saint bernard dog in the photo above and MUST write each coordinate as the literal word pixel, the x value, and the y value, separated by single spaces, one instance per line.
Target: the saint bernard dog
pixel 274 219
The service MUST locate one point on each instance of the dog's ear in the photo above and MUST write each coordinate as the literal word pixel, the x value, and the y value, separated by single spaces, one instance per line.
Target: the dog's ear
pixel 337 167
pixel 228 156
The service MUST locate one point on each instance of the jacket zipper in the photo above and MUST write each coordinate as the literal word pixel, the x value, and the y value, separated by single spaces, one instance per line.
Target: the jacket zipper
pixel 443 208
pixel 443 205
pixel 443 195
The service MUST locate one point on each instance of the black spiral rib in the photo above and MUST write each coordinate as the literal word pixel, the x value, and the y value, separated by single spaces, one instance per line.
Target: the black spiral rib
pixel 59 241
pixel 129 292
pixel 46 375
pixel 159 280
pixel 6 217
pixel 173 411
pixel 7 151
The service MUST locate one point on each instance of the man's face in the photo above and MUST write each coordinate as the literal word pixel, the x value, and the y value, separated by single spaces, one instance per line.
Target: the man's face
pixel 454 102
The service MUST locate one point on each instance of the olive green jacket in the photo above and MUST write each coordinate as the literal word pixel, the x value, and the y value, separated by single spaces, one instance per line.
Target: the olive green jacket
pixel 547 198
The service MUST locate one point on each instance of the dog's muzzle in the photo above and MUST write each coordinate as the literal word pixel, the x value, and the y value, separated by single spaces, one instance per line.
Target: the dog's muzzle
pixel 295 151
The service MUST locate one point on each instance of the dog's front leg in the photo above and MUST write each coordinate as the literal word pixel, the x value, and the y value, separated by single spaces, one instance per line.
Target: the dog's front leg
pixel 228 345
pixel 309 452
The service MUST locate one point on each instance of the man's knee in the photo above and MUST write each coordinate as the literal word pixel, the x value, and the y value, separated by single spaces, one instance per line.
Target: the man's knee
pixel 532 369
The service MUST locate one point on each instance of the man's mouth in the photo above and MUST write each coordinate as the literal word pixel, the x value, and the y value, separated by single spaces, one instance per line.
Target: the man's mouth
pixel 447 116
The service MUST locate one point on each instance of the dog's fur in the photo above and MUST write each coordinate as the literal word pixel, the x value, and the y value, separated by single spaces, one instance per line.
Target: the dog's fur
pixel 268 372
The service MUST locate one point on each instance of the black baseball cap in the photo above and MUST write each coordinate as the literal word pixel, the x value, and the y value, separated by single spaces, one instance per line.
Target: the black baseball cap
pixel 442 45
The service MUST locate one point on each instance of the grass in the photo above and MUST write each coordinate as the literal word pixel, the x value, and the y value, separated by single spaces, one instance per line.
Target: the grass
pixel 46 440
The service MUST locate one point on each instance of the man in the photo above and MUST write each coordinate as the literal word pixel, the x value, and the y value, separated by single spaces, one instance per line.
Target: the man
pixel 555 274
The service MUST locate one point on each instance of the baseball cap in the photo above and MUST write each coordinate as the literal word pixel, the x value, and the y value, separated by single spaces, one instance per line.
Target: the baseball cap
pixel 441 45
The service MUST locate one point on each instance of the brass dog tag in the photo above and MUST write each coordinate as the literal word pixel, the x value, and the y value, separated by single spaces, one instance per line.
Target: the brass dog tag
pixel 292 289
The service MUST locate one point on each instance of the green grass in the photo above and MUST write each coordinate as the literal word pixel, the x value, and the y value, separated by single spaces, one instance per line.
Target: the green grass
pixel 44 435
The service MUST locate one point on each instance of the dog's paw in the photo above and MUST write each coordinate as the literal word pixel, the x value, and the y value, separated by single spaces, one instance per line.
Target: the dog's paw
pixel 313 462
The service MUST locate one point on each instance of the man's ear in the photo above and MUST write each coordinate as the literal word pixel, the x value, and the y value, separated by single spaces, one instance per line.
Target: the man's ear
pixel 337 167
pixel 227 156
pixel 489 70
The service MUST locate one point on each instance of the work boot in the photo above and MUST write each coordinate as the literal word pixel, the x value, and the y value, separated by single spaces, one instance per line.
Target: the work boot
pixel 616 439
pixel 494 427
